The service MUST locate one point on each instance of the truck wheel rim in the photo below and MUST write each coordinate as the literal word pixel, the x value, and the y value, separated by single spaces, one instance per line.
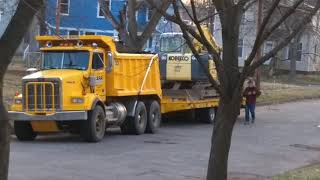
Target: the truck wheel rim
pixel 140 119
pixel 153 118
pixel 211 114
pixel 99 124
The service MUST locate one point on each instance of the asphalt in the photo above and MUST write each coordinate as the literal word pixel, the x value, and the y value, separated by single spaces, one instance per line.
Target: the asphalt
pixel 284 137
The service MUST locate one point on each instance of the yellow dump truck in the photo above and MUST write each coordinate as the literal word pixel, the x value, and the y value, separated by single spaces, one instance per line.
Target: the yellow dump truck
pixel 85 85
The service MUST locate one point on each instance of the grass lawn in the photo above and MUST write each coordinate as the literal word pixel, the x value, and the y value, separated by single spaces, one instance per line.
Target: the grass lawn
pixel 306 173
pixel 273 93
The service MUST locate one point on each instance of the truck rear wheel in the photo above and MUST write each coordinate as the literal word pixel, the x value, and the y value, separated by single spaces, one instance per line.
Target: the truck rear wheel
pixel 154 117
pixel 24 131
pixel 93 129
pixel 137 124
pixel 207 115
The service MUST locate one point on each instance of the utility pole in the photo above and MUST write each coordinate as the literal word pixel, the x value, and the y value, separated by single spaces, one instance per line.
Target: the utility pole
pixel 259 51
pixel 58 18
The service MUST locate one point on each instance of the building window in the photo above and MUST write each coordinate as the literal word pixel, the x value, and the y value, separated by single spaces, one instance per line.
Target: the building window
pixel 89 33
pixel 148 14
pixel 268 47
pixel 106 4
pixel 299 52
pixel 150 43
pixel 74 33
pixel 64 7
pixel 240 47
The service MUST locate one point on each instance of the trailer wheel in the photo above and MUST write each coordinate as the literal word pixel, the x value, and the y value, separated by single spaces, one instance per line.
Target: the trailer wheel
pixel 207 115
pixel 154 117
pixel 137 124
pixel 24 131
pixel 93 129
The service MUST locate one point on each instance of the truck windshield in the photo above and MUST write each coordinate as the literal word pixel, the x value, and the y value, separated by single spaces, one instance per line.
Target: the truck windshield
pixel 78 60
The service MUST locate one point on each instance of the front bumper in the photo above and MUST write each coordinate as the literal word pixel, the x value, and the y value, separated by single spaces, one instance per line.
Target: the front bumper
pixel 58 116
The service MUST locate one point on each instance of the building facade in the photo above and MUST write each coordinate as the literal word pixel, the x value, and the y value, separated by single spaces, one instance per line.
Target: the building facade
pixel 84 17
pixel 307 50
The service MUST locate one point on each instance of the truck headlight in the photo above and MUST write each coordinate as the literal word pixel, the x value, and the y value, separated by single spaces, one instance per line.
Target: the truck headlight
pixel 18 101
pixel 193 58
pixel 77 100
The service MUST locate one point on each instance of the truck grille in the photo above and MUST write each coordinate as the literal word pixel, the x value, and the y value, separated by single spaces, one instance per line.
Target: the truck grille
pixel 41 96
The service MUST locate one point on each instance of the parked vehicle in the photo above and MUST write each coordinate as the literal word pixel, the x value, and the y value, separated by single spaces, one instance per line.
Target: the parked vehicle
pixel 85 86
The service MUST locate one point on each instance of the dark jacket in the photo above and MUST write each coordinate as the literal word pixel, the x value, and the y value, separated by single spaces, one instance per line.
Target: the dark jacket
pixel 251 94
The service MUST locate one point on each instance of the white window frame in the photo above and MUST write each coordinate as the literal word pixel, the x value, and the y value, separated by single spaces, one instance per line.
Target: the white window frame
pixel 98 9
pixel 137 15
pixel 64 14
pixel 287 53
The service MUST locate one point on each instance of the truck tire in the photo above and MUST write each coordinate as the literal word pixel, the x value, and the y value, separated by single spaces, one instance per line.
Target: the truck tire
pixel 137 124
pixel 93 129
pixel 24 131
pixel 154 117
pixel 207 115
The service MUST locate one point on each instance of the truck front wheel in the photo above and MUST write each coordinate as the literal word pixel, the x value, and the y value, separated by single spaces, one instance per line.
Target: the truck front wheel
pixel 93 129
pixel 24 131
pixel 154 117
pixel 137 124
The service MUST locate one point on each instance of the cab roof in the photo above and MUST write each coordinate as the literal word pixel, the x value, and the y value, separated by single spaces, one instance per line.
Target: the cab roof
pixel 101 41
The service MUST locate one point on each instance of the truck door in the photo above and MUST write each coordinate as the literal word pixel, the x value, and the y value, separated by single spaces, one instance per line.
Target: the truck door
pixel 98 74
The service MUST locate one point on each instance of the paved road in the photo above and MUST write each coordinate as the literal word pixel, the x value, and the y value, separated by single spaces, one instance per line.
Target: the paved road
pixel 284 137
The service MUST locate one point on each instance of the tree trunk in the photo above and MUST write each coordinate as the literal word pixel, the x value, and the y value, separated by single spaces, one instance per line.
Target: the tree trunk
pixel 9 42
pixel 272 67
pixel 221 140
pixel 293 61
pixel 4 136
pixel 229 107
pixel 293 57
pixel 42 21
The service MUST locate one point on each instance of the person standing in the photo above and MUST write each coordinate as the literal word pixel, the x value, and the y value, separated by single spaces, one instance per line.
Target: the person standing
pixel 251 93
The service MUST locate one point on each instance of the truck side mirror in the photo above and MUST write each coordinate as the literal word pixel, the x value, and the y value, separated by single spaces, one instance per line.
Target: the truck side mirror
pixel 110 62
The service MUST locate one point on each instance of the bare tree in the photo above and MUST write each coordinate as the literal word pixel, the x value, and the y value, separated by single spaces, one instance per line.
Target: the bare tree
pixel 9 42
pixel 231 78
pixel 127 26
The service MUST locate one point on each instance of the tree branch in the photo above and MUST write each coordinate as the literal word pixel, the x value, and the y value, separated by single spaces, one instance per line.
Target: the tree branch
pixel 263 35
pixel 306 20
